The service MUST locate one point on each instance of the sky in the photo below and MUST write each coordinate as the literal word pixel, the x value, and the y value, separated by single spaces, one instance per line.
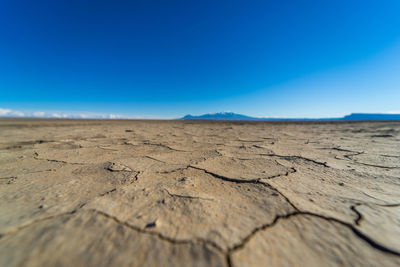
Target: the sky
pixel 166 59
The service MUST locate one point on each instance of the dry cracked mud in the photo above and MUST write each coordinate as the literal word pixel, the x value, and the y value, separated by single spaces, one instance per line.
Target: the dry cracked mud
pixel 184 193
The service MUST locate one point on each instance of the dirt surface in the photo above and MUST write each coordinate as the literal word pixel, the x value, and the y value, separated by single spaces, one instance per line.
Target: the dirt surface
pixel 182 193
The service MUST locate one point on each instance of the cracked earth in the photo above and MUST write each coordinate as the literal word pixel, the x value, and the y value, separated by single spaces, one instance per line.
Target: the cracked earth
pixel 181 193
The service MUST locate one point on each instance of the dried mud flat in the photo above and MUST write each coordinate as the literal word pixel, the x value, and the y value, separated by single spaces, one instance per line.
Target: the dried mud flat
pixel 176 193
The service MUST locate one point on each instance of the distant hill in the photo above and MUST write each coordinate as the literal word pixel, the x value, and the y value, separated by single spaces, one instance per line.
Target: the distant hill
pixel 371 117
pixel 221 116
pixel 230 116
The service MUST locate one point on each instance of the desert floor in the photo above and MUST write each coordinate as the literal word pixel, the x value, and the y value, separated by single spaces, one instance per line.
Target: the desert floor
pixel 184 193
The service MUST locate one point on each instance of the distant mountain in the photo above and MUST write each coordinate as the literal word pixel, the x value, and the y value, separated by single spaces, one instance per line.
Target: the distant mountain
pixel 230 116
pixel 371 117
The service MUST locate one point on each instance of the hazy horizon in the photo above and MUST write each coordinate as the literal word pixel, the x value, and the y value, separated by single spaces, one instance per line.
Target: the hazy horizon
pixel 9 113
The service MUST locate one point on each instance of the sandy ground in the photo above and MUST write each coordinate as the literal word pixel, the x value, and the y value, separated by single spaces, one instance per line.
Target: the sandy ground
pixel 175 193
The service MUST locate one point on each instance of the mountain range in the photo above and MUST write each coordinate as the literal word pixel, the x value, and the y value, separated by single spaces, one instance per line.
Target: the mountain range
pixel 230 116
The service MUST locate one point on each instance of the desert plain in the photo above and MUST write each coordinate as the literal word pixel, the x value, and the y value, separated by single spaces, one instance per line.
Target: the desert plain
pixel 198 193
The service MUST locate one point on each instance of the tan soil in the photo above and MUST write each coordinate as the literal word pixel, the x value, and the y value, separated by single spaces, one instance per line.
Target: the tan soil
pixel 182 193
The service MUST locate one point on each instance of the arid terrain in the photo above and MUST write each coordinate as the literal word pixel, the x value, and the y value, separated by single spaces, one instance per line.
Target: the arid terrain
pixel 184 193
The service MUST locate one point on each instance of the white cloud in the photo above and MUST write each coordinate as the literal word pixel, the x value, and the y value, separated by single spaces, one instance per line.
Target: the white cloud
pixel 59 115
pixel 115 116
pixel 18 113
pixel 5 111
pixel 39 114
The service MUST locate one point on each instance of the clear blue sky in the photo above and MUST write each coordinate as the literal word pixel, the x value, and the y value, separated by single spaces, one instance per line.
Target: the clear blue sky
pixel 171 58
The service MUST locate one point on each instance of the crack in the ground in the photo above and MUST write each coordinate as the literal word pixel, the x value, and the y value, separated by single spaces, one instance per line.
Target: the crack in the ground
pixel 236 247
pixel 360 235
pixel 245 240
pixel 282 195
pixel 376 166
pixel 227 252
pixel 186 196
pixel 36 156
pixel 381 205
pixel 159 235
pixel 350 156
pixel 359 218
pixel 234 180
pixel 29 223
pixel 257 146
pixel 291 170
pixel 182 168
pixel 108 192
pixel 249 141
pixel 18 228
pixel 136 176
pixel 389 205
pixel 150 157
pixel 339 149
pixel 291 158
pixel 365 238
pixel 163 145
pixel 389 156
pixel 252 181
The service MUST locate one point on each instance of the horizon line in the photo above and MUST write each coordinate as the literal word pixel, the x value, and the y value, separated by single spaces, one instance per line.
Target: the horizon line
pixel 10 113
